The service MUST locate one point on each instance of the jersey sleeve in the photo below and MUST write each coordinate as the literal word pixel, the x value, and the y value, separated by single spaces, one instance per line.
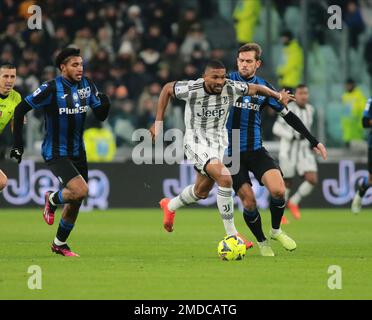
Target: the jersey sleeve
pixel 94 100
pixel 368 109
pixel 181 89
pixel 41 97
pixel 282 129
pixel 273 103
pixel 240 88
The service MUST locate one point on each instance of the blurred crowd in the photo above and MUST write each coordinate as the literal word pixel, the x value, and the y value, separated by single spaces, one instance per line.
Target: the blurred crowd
pixel 132 47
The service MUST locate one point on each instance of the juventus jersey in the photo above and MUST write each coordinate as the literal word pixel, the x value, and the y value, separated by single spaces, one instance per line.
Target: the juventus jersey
pixel 289 136
pixel 206 114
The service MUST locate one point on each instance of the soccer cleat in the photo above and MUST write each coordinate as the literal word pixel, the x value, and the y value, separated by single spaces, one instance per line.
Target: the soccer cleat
pixel 294 209
pixel 284 220
pixel 169 215
pixel 287 242
pixel 248 244
pixel 356 205
pixel 49 210
pixel 63 250
pixel 265 249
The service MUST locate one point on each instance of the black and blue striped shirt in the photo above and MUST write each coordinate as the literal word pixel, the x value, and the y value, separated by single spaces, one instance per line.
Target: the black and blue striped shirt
pixel 65 105
pixel 368 114
pixel 245 115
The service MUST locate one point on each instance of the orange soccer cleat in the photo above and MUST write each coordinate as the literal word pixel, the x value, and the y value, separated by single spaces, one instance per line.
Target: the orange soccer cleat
pixel 169 215
pixel 284 220
pixel 294 209
pixel 248 244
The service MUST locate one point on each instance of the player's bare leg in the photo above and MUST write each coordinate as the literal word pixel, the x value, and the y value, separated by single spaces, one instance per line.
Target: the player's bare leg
pixel 252 218
pixel 273 181
pixel 69 215
pixel 191 194
pixel 3 180
pixel 310 180
pixel 75 191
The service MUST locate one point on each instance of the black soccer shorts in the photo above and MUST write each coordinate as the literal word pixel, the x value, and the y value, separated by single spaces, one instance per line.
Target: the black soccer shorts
pixel 258 162
pixel 370 161
pixel 66 169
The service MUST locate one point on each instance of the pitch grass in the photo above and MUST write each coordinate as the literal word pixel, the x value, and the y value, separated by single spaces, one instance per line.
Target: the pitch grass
pixel 126 254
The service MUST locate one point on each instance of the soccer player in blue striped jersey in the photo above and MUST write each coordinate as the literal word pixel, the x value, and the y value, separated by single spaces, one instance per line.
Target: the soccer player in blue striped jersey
pixel 356 206
pixel 245 116
pixel 64 101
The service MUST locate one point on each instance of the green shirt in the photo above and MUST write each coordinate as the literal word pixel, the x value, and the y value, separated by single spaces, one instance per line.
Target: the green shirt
pixel 7 107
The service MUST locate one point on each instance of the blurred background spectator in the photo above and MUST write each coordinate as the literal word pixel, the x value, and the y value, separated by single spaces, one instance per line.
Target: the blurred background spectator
pixel 131 48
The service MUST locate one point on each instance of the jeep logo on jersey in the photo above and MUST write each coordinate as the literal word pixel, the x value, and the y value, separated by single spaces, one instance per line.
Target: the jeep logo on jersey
pixel 81 109
pixel 205 113
pixel 84 93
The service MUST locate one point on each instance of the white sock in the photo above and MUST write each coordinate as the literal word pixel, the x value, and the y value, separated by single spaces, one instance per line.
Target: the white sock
pixel 276 231
pixel 58 243
pixel 303 191
pixel 186 197
pixel 225 205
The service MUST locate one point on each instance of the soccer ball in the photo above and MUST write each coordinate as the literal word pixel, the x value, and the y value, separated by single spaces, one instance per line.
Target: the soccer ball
pixel 231 248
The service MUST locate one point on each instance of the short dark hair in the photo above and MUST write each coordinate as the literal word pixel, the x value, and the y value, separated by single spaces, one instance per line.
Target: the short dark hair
pixel 251 47
pixel 350 81
pixel 214 64
pixel 65 54
pixel 287 33
pixel 7 65
pixel 301 86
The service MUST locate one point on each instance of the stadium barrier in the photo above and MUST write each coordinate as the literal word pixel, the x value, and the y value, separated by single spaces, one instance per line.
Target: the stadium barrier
pixel 127 185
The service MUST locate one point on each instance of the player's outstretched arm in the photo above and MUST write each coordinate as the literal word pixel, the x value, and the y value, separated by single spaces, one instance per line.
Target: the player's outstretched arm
pixel 19 115
pixel 296 123
pixel 284 97
pixel 164 97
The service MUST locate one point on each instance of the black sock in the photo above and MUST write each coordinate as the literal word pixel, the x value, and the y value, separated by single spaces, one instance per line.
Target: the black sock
pixel 57 197
pixel 253 221
pixel 64 230
pixel 364 187
pixel 277 207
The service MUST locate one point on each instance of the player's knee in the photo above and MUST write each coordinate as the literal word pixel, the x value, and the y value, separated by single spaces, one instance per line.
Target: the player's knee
pixel 313 180
pixel 370 180
pixel 80 193
pixel 278 193
pixel 225 181
pixel 250 204
pixel 200 193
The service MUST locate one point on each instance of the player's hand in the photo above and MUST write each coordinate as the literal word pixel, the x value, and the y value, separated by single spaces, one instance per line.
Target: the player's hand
pixel 321 150
pixel 16 154
pixel 286 97
pixel 155 129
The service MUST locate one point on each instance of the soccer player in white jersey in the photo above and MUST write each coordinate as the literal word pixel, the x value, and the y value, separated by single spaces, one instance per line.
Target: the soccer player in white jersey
pixel 207 104
pixel 295 154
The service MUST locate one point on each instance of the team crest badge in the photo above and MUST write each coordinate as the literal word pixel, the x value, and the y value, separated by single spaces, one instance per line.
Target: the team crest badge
pixel 75 96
